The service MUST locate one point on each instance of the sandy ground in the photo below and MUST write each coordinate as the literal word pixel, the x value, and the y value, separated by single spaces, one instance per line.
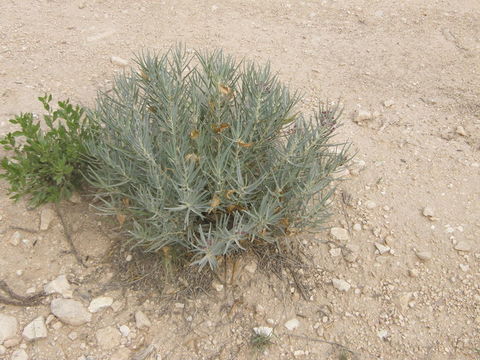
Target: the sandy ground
pixel 414 273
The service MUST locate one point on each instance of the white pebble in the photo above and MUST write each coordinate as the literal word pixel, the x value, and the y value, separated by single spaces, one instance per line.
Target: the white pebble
pixel 382 249
pixel 413 273
pixel 388 103
pixel 292 324
pixel 263 331
pixel 335 252
pixel 298 353
pixel 15 239
pixel 124 330
pixel 362 116
pixel 142 320
pixel 35 330
pixel 59 285
pixel 463 246
pixel 424 255
pixel 118 61
pixel 339 233
pixel 100 303
pixel 341 285
pixel 382 334
pixel 19 354
pixel 357 227
pixel 370 204
pixel 460 130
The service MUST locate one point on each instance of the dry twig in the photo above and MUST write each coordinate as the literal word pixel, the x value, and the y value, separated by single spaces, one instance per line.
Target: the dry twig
pixel 333 343
pixel 18 300
pixel 69 237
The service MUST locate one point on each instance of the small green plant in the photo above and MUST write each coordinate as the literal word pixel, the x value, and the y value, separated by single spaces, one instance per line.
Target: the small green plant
pixel 203 155
pixel 259 342
pixel 46 165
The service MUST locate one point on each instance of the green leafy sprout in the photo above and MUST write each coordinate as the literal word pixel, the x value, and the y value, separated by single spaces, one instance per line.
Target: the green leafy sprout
pixel 46 164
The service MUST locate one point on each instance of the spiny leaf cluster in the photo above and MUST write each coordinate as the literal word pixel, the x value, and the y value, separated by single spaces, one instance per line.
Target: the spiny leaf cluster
pixel 202 153
pixel 46 165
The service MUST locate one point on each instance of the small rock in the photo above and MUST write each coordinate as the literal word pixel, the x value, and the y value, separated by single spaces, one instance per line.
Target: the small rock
pixel 217 286
pixel 460 130
pixel 59 286
pixel 292 324
pixel 263 331
pixel 463 246
pixel 108 337
pixel 357 166
pixel 382 249
pixel 46 217
pixel 341 285
pixel 370 204
pixel 117 305
pixel 403 300
pixel 57 325
pixel 357 227
pixel 413 273
pixel 124 330
pixel 388 103
pixel 118 61
pixel 424 255
pixel 428 212
pixel 50 318
pixel 19 354
pixel 35 330
pixel 252 267
pixel 298 353
pixel 464 267
pixel 71 312
pixel 335 252
pixel 75 198
pixel 3 350
pixel 382 334
pixel 129 258
pixel 389 240
pixel 8 327
pixel 362 116
pixel 30 291
pixel 430 101
pixel 12 342
pixel 178 307
pixel 100 36
pixel 100 303
pixel 350 253
pixel 141 320
pixel 15 239
pixel 339 234
pixel 73 335
pixel 259 309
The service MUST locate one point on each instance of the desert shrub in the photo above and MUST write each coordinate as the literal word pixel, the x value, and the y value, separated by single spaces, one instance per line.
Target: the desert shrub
pixel 201 154
pixel 46 165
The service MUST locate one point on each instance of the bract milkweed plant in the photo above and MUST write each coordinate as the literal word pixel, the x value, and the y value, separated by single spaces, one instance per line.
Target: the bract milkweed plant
pixel 207 155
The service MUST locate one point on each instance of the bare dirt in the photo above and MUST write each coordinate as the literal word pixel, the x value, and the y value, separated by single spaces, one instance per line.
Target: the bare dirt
pixel 413 64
